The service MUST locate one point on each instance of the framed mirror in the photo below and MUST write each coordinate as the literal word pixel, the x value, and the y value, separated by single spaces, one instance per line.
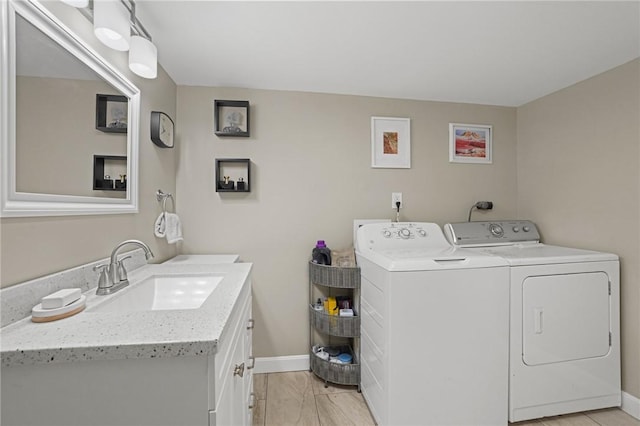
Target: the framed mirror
pixel 54 89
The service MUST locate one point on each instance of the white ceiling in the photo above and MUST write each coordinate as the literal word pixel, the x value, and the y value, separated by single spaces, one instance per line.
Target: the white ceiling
pixel 499 53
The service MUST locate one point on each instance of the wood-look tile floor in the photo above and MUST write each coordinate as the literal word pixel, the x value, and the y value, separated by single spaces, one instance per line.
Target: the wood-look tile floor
pixel 300 398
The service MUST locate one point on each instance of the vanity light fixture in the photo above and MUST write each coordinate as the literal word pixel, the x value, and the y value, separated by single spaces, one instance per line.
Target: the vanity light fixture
pixel 143 57
pixel 111 24
pixel 115 24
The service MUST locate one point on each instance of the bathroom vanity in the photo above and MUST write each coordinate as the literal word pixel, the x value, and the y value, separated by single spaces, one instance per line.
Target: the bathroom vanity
pixel 129 364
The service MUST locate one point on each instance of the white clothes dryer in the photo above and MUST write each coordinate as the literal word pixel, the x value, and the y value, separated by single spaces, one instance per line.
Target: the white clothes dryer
pixel 564 331
pixel 434 328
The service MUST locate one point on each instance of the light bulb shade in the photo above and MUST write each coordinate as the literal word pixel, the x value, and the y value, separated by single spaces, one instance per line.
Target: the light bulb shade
pixel 77 3
pixel 143 57
pixel 111 23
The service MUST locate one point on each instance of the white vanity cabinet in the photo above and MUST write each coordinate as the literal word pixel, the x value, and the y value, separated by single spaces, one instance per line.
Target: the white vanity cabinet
pixel 204 390
pixel 233 381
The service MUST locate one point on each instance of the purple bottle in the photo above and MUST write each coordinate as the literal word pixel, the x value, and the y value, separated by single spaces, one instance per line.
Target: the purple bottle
pixel 321 254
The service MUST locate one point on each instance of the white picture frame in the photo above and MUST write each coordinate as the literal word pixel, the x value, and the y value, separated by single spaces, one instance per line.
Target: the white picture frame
pixel 390 142
pixel 470 143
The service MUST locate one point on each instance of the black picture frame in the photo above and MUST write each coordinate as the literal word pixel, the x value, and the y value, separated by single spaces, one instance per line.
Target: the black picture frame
pixel 231 118
pixel 112 113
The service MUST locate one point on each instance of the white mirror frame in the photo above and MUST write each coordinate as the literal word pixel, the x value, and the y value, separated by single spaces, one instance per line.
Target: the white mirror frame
pixel 22 204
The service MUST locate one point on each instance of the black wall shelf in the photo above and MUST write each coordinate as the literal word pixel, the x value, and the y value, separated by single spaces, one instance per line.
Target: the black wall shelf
pixel 231 118
pixel 102 163
pixel 238 171
pixel 111 113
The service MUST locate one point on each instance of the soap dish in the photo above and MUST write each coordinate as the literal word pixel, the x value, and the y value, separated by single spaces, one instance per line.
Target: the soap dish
pixel 38 314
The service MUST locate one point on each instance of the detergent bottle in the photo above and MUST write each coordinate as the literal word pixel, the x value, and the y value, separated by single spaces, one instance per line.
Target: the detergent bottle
pixel 321 254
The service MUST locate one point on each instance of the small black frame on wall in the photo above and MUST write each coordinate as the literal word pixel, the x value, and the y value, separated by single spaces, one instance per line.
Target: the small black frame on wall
pixel 233 175
pixel 103 182
pixel 231 118
pixel 112 112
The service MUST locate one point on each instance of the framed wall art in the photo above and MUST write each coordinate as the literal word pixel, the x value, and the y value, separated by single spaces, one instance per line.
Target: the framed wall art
pixel 111 113
pixel 470 143
pixel 231 118
pixel 390 142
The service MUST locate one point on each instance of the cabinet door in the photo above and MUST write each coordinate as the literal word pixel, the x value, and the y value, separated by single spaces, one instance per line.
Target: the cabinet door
pixel 233 408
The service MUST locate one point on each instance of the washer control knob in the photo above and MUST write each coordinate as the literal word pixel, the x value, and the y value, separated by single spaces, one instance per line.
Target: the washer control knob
pixel 386 233
pixel 496 230
pixel 526 228
pixel 404 233
pixel 516 229
pixel 422 232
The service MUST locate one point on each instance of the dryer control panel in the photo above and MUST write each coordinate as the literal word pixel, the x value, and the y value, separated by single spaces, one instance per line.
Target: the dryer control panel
pixel 477 234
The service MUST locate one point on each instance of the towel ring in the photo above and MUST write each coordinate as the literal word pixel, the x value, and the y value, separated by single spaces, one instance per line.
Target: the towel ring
pixel 163 196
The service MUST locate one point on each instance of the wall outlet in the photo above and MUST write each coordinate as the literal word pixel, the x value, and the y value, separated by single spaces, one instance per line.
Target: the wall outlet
pixel 395 197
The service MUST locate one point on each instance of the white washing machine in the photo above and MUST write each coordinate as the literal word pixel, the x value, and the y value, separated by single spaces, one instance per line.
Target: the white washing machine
pixel 564 333
pixel 434 328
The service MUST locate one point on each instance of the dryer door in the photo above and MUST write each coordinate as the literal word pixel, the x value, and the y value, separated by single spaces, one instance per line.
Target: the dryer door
pixel 565 317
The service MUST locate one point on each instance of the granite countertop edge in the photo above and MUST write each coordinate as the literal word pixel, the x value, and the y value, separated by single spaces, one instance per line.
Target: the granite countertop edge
pixel 74 354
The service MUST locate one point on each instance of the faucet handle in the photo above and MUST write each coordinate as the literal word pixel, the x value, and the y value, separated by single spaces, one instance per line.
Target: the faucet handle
pixel 103 281
pixel 122 271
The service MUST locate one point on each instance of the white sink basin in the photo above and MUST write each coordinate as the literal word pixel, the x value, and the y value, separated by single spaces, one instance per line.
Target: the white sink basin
pixel 163 292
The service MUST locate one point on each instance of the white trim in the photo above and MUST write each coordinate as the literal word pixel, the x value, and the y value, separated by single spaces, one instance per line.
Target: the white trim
pixel 280 364
pixel 631 405
pixel 21 204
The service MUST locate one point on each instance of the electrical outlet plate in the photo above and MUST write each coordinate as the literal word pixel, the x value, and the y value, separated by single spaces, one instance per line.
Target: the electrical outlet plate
pixel 395 197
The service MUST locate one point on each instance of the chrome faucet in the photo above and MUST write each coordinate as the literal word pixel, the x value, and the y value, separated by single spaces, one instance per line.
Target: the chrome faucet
pixel 113 277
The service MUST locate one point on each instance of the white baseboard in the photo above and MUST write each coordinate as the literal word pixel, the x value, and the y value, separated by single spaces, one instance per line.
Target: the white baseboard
pixel 279 364
pixel 631 405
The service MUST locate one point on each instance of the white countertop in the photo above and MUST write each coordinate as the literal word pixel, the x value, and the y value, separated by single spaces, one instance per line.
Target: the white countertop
pixel 147 334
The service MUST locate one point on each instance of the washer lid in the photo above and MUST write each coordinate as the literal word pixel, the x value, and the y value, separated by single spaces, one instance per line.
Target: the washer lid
pixel 431 260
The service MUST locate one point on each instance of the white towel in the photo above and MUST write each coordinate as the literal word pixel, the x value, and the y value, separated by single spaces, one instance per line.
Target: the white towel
pixel 159 228
pixel 173 228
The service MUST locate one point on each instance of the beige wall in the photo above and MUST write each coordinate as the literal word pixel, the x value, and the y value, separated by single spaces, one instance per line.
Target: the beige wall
pixel 57 136
pixel 579 180
pixel 311 177
pixel 32 247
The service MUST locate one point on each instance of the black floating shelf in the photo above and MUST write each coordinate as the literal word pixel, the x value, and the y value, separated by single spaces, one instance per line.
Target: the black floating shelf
pixel 109 111
pixel 99 182
pixel 238 171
